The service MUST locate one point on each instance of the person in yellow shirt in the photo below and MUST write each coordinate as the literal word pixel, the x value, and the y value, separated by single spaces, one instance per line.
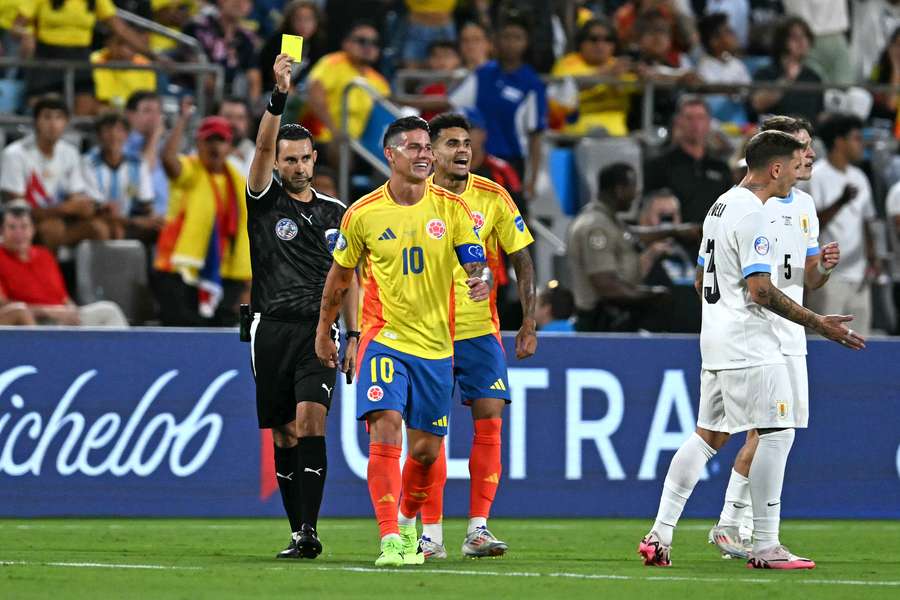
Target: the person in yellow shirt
pixel 409 235
pixel 597 105
pixel 330 77
pixel 427 22
pixel 203 253
pixel 63 30
pixel 479 361
pixel 114 87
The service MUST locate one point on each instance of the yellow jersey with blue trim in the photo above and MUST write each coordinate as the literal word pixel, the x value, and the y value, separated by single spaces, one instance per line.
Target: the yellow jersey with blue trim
pixel 409 255
pixel 500 225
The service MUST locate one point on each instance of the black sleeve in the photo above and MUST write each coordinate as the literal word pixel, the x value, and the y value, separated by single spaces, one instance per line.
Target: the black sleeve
pixel 263 199
pixel 655 174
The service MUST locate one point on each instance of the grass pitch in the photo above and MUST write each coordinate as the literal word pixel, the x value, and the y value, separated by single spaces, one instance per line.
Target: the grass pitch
pixel 548 558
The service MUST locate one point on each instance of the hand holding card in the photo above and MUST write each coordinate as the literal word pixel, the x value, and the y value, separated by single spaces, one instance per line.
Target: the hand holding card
pixel 292 45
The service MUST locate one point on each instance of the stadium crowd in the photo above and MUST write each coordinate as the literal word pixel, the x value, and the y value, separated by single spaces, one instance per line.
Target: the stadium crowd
pixel 128 157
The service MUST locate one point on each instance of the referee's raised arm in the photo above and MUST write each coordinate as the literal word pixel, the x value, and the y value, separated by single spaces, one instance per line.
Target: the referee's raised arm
pixel 264 157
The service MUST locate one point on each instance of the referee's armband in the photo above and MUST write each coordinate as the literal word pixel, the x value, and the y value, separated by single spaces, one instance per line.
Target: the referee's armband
pixel 468 253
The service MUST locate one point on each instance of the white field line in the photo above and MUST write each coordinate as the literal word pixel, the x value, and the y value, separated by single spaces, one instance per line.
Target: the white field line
pixel 470 572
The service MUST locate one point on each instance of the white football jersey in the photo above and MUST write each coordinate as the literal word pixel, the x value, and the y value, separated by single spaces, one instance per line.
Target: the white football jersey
pixel 737 242
pixel 796 230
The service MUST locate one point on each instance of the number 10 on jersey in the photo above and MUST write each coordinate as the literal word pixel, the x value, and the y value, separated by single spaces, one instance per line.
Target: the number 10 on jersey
pixel 413 260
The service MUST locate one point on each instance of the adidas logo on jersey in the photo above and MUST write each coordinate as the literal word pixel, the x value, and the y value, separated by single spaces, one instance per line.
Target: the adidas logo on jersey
pixel 387 235
pixel 498 385
pixel 442 422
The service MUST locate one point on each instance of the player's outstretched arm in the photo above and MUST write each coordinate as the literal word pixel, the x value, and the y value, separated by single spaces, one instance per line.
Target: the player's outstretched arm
pixel 264 157
pixel 337 284
pixel 349 312
pixel 830 326
pixel 526 339
pixel 169 155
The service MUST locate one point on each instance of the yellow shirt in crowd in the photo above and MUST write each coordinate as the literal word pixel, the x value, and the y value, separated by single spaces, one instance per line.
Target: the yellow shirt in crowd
pixel 115 86
pixel 72 25
pixel 600 105
pixel 334 71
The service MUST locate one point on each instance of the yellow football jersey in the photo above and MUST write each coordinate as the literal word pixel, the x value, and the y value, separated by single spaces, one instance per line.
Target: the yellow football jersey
pixel 410 255
pixel 499 225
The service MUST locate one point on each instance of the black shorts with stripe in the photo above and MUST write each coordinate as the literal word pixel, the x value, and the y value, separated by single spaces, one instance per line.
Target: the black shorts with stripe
pixel 286 370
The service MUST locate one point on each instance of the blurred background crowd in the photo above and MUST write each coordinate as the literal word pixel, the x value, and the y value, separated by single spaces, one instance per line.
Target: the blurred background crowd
pixel 127 129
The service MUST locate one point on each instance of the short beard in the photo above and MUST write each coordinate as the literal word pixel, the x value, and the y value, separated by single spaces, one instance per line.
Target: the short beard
pixel 295 189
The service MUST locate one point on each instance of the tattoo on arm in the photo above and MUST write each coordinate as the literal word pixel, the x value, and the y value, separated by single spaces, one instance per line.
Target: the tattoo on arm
pixel 524 268
pixel 474 269
pixel 780 304
pixel 336 286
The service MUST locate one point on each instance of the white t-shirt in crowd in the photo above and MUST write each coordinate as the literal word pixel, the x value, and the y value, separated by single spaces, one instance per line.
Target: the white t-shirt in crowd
pixel 892 208
pixel 43 181
pixel 736 333
pixel 823 16
pixel 730 70
pixel 846 228
pixel 796 230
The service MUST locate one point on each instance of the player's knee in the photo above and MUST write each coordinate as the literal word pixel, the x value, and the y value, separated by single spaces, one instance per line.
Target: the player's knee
pixel 715 439
pixel 425 455
pixel 488 408
pixel 310 419
pixel 284 436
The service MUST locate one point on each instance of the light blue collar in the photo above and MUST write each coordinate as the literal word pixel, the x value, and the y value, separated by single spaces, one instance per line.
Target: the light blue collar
pixel 787 199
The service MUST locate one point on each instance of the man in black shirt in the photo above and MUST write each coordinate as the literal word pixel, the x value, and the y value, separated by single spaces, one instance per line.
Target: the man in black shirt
pixel 292 231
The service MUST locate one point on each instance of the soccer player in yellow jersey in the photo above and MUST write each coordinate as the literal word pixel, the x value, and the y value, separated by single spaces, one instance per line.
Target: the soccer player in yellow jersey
pixel 408 236
pixel 479 362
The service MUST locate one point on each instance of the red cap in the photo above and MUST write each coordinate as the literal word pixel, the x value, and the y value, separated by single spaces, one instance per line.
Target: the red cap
pixel 212 126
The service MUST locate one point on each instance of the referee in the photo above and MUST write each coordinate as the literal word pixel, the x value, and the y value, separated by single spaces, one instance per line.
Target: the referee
pixel 292 230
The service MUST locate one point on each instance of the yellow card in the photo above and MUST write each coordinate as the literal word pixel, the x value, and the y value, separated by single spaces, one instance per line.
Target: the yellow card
pixel 292 45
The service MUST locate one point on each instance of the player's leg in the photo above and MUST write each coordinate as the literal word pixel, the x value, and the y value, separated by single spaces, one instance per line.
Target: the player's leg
pixel 776 437
pixel 432 539
pixel 480 369
pixel 381 399
pixel 733 533
pixel 685 470
pixel 427 420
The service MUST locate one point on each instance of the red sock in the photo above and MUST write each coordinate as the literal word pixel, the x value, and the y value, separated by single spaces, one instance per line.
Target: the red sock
pixel 433 509
pixel 418 481
pixel 484 466
pixel 383 475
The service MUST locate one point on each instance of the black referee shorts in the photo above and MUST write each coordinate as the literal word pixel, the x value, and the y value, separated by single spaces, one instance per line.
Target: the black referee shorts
pixel 286 370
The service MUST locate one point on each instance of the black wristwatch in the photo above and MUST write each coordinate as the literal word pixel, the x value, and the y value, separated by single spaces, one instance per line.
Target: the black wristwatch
pixel 353 334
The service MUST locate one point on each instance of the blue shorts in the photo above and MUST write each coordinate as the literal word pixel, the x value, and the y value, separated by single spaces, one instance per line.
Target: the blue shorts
pixel 420 389
pixel 479 368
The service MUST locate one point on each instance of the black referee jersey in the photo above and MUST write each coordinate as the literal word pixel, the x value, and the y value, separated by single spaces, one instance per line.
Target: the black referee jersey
pixel 290 251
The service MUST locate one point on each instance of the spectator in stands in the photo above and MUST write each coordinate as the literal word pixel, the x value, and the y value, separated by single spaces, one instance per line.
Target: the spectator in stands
pixel 604 259
pixel 237 113
pixel 300 17
pixel 325 181
pixel 737 12
pixel 203 254
pixel 829 21
pixel 427 21
pixel 174 15
pixel 892 209
pixel 628 19
pixel 719 65
pixel 29 274
pixel 328 79
pixel 598 105
pixel 474 45
pixel 658 61
pixel 63 29
pixel 687 168
pixel 844 205
pixel 791 42
pixel 665 262
pixel 119 183
pixel 45 170
pixel 227 42
pixel 442 56
pixel 513 101
pixel 145 120
pixel 874 22
pixel 114 87
pixel 555 309
pixel 887 72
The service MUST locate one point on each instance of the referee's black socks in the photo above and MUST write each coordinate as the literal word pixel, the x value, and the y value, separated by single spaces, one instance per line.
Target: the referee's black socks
pixel 313 467
pixel 287 472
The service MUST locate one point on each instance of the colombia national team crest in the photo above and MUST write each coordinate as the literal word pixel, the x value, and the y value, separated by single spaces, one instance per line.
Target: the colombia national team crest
pixel 286 229
pixel 436 229
pixel 375 393
pixel 479 220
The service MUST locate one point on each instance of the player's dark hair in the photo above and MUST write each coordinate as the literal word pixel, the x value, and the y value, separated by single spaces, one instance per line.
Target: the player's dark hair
pixel 787 124
pixel 401 126
pixel 766 146
pixel 446 121
pixel 49 102
pixel 783 32
pixel 293 132
pixel 838 125
pixel 136 98
pixel 613 176
pixel 709 27
pixel 561 301
pixel 439 44
pixel 584 32
pixel 110 119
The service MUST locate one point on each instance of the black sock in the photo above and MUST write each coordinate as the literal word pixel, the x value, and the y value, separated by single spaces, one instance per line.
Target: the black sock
pixel 313 467
pixel 288 475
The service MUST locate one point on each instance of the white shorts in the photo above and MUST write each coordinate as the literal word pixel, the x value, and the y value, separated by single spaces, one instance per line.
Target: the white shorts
pixel 735 400
pixel 800 385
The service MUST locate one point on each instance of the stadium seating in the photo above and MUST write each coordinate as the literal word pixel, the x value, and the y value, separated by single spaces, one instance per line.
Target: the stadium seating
pixel 115 271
